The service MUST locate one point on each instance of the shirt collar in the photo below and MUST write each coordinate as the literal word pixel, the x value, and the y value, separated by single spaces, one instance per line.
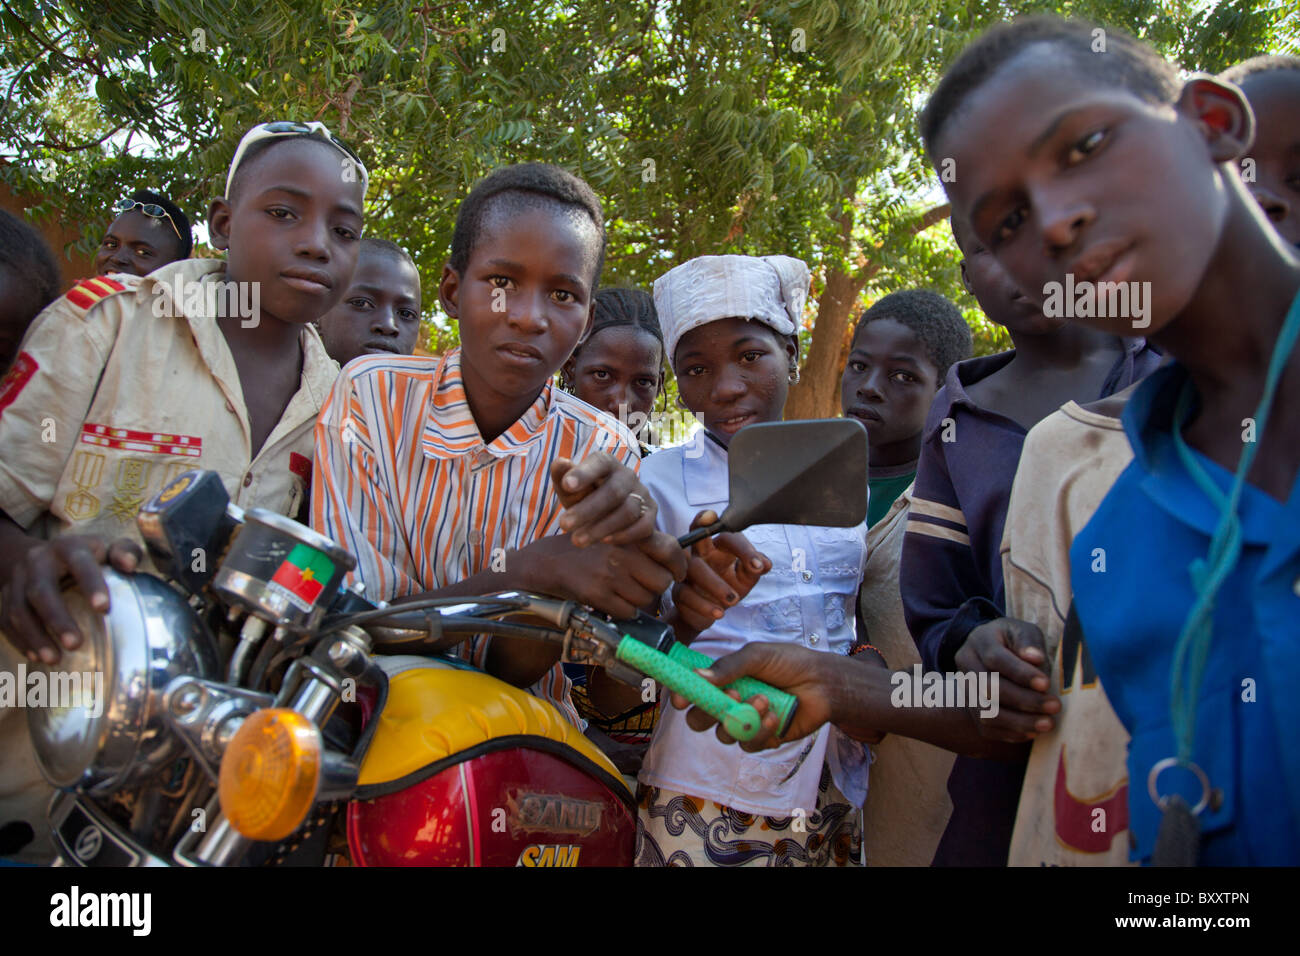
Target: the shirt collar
pixel 319 371
pixel 953 394
pixel 167 291
pixel 450 429
pixel 966 373
pixel 1150 411
pixel 970 371
pixel 1134 345
pixel 1148 420
pixel 704 470
pixel 170 289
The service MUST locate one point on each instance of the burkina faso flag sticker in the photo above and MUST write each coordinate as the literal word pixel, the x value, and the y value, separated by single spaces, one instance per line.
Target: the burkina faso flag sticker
pixel 302 576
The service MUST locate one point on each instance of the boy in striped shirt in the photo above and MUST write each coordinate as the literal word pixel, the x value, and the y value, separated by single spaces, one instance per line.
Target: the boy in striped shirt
pixel 444 475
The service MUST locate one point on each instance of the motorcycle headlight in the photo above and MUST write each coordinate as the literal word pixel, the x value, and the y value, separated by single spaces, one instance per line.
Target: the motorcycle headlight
pixel 113 731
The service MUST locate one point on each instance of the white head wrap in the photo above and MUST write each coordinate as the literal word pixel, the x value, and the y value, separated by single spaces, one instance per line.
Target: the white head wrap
pixel 769 289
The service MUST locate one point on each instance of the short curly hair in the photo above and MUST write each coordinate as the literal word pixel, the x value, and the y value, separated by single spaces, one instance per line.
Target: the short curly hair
pixel 24 252
pixel 519 187
pixel 373 246
pixel 1239 72
pixel 932 318
pixel 1127 63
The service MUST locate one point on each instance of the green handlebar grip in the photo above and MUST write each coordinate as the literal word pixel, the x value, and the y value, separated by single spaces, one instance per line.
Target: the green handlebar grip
pixel 739 719
pixel 781 703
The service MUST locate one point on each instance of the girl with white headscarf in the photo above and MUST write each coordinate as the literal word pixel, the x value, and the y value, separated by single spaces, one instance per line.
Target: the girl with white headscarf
pixel 730 331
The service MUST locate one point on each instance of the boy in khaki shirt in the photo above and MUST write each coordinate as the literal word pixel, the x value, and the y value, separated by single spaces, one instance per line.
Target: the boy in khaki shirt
pixel 133 399
pixel 125 382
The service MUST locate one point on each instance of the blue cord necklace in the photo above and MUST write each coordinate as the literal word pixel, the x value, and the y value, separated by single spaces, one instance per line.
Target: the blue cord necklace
pixel 1178 838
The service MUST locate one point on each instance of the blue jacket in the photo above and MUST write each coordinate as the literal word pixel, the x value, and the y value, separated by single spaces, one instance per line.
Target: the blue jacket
pixel 1153 523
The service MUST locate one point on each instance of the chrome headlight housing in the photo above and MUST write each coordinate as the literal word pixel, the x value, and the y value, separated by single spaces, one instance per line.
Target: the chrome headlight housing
pixel 118 734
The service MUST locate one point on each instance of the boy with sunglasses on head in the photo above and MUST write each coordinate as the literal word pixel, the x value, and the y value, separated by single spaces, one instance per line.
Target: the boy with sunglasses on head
pixel 149 232
pixel 93 424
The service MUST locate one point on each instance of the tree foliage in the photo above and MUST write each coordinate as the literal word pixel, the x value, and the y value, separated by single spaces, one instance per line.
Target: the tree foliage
pixel 706 126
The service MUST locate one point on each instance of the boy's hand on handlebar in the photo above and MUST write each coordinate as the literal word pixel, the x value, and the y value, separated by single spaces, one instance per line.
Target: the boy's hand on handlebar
pixel 809 675
pixel 722 571
pixel 611 578
pixel 32 604
pixel 603 501
pixel 1015 650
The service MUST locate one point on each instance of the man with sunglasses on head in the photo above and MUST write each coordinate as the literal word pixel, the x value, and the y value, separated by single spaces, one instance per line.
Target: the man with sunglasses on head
pixel 149 232
pixel 124 383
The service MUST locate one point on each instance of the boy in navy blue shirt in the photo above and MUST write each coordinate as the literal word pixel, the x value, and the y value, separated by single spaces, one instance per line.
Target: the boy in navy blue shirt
pixel 951 570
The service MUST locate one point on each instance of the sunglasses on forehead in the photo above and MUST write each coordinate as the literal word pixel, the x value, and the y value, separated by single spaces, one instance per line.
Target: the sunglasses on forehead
pixel 281 128
pixel 150 209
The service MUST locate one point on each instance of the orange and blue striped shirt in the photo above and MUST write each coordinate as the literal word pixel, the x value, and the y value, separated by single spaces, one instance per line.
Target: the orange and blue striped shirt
pixel 405 482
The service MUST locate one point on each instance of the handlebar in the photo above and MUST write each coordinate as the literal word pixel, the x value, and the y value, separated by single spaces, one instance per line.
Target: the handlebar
pixel 781 703
pixel 740 719
pixel 439 623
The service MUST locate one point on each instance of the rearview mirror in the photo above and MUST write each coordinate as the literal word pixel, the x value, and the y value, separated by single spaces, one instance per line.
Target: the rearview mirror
pixel 802 472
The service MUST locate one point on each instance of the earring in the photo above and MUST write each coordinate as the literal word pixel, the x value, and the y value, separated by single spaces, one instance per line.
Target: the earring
pixel 794 375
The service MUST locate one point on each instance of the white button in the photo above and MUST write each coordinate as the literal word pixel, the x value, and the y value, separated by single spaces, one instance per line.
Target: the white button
pixel 475 536
pixel 807 575
pixel 813 638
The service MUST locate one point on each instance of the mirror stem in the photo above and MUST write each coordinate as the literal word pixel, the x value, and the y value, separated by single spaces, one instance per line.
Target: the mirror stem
pixel 707 531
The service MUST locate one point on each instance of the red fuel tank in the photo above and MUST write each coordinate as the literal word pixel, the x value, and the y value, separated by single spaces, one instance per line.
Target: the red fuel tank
pixel 464 770
pixel 510 807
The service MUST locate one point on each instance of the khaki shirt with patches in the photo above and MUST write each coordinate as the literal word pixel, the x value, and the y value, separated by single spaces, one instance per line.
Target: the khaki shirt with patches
pixel 113 401
pixel 106 403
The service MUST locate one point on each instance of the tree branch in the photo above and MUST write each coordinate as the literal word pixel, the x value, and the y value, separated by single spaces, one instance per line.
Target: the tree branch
pixel 66 148
pixel 869 267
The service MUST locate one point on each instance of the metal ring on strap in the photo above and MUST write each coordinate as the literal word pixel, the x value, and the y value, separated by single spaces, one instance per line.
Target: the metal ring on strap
pixel 1164 765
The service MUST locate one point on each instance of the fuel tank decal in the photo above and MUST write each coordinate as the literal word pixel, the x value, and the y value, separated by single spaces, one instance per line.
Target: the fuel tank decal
pixel 550 854
pixel 552 813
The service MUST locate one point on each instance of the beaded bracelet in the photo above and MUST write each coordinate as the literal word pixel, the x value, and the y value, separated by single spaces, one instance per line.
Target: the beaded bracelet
pixel 867 647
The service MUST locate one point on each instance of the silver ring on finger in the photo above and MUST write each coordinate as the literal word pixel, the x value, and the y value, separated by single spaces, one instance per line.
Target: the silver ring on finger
pixel 641 501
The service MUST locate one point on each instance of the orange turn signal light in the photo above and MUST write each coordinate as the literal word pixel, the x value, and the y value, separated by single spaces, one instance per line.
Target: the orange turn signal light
pixel 269 774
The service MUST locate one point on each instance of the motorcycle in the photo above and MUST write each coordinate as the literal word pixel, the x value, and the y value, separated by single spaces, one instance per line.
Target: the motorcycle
pixel 257 712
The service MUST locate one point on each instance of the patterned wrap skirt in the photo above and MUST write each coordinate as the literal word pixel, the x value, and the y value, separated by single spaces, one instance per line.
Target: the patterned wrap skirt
pixel 674 829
